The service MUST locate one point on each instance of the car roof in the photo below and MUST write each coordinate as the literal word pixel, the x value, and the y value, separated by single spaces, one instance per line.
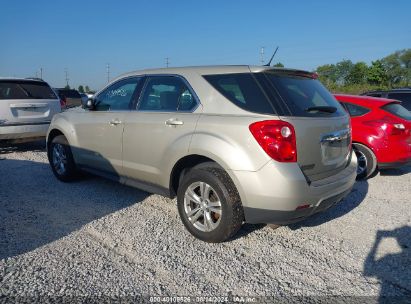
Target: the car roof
pixel 366 101
pixel 406 90
pixel 208 70
pixel 20 79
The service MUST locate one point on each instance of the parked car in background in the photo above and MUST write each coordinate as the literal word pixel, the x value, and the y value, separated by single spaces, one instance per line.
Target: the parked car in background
pixel 69 97
pixel 233 143
pixel 403 95
pixel 26 109
pixel 381 131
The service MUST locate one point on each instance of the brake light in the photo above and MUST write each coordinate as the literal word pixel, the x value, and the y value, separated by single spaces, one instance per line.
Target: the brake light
pixel 277 138
pixel 62 103
pixel 398 129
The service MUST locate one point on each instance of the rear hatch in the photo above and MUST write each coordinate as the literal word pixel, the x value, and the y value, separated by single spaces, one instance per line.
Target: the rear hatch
pixel 27 102
pixel 322 126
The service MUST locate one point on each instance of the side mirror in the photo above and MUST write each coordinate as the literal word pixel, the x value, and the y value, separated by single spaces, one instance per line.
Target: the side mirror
pixel 84 100
pixel 88 103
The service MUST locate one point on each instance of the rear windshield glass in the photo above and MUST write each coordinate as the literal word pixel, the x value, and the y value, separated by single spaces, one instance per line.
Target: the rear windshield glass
pixel 25 90
pixel 68 93
pixel 398 110
pixel 302 95
pixel 404 97
pixel 242 90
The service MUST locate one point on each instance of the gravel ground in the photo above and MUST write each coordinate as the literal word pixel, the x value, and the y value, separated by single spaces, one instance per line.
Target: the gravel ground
pixel 96 237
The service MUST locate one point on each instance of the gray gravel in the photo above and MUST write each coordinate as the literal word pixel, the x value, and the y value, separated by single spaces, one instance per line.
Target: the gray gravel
pixel 96 237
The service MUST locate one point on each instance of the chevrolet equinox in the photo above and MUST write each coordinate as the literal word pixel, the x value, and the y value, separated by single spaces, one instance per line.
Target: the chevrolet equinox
pixel 234 143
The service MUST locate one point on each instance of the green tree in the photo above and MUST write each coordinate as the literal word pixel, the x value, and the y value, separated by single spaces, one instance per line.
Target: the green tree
pixel 343 70
pixel 376 74
pixel 327 74
pixel 358 73
pixel 80 89
pixel 67 87
pixel 278 65
pixel 393 69
pixel 87 89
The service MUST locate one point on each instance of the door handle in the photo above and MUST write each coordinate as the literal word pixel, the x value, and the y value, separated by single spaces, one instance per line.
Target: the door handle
pixel 174 122
pixel 114 122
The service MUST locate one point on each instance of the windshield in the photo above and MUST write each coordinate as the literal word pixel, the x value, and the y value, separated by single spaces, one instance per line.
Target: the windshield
pixel 304 96
pixel 397 110
pixel 25 90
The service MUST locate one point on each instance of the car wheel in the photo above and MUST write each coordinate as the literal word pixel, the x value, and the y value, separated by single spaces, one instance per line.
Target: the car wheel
pixel 61 159
pixel 366 161
pixel 209 204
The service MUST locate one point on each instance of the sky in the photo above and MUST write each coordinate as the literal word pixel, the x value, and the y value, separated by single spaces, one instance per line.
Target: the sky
pixel 83 36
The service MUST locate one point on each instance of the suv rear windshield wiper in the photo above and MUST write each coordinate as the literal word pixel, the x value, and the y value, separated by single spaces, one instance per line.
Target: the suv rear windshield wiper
pixel 325 109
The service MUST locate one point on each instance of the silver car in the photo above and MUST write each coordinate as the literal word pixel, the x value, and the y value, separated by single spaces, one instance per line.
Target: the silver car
pixel 26 109
pixel 234 143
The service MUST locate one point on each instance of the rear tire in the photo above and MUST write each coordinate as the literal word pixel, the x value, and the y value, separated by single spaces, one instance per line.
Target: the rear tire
pixel 367 162
pixel 209 205
pixel 61 159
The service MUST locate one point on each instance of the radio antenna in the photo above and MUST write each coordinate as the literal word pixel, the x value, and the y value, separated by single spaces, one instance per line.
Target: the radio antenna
pixel 272 57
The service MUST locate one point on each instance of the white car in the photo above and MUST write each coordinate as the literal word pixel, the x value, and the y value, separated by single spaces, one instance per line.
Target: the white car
pixel 26 109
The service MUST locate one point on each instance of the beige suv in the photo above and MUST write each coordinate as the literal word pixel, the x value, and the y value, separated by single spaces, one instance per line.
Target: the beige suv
pixel 233 143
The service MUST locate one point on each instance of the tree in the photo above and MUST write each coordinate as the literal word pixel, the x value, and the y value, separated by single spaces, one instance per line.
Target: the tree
pixel 327 74
pixel 358 73
pixel 376 74
pixel 393 69
pixel 278 65
pixel 67 87
pixel 343 70
pixel 80 89
pixel 87 89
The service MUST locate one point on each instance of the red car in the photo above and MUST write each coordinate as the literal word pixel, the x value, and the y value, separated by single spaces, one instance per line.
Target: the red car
pixel 381 132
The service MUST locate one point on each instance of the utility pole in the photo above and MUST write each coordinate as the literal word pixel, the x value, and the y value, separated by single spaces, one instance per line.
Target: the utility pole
pixel 167 62
pixel 41 73
pixel 66 74
pixel 262 55
pixel 108 72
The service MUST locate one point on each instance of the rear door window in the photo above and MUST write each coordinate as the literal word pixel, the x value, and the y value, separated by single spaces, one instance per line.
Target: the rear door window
pixel 167 94
pixel 404 97
pixel 398 110
pixel 242 90
pixel 25 90
pixel 301 93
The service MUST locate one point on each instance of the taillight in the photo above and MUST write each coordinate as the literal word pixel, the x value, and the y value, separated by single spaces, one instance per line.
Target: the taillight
pixel 62 103
pixel 398 129
pixel 277 138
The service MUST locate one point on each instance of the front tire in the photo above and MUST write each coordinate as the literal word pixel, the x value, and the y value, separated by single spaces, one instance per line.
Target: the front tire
pixel 61 159
pixel 367 162
pixel 209 205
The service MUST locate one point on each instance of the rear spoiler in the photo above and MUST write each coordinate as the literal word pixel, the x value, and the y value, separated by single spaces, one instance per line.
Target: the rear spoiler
pixel 299 73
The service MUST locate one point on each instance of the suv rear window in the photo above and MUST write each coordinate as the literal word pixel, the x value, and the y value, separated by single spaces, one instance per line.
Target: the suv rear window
pixel 301 93
pixel 398 110
pixel 68 93
pixel 25 90
pixel 242 90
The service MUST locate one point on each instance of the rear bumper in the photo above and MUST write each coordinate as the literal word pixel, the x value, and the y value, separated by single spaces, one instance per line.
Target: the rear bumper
pixel 275 192
pixel 397 164
pixel 23 132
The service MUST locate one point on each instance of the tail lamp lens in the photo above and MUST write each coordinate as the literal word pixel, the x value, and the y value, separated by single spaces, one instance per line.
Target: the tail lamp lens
pixel 277 138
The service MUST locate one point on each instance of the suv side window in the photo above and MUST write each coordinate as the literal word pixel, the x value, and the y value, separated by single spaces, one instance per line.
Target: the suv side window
pixel 118 96
pixel 404 97
pixel 167 94
pixel 355 110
